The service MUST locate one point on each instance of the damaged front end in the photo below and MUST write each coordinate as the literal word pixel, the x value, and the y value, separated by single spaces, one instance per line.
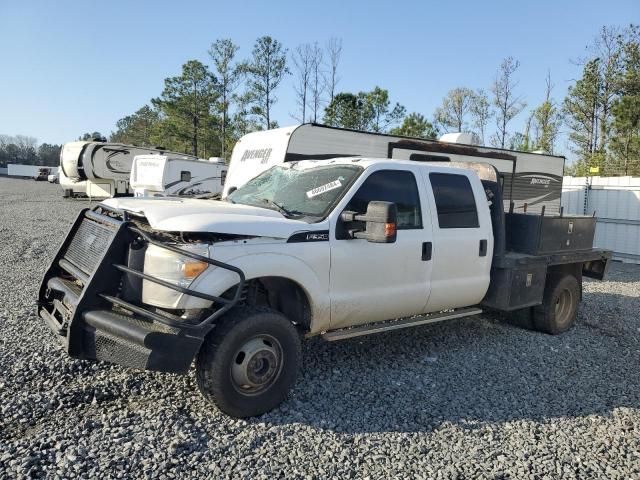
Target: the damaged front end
pixel 90 296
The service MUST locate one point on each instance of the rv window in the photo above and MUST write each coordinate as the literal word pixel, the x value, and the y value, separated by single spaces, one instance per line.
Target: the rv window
pixel 397 186
pixel 455 202
pixel 223 176
pixel 185 176
pixel 421 157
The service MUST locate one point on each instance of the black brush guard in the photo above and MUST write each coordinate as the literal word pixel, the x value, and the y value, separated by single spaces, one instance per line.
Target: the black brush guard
pixel 83 301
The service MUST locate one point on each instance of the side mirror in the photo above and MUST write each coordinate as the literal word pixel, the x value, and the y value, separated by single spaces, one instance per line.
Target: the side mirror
pixel 380 222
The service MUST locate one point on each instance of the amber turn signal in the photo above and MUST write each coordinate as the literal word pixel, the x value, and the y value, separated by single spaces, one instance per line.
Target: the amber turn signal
pixel 193 269
pixel 389 229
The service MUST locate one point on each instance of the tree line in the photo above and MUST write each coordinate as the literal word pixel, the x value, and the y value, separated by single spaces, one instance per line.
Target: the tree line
pixel 25 150
pixel 207 107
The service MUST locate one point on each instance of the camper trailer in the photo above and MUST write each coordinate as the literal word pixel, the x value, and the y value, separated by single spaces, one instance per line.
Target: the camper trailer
pixel 164 175
pixel 530 180
pixel 100 169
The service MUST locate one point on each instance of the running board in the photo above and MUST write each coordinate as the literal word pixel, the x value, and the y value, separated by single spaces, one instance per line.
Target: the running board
pixel 345 333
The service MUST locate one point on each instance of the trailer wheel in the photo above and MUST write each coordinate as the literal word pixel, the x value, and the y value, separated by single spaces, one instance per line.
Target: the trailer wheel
pixel 559 308
pixel 249 362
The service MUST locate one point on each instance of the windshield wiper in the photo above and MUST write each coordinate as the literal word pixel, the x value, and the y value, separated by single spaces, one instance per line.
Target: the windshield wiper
pixel 283 210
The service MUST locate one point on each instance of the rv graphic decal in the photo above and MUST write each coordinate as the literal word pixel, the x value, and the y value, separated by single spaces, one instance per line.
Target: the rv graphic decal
pixel 118 161
pixel 191 188
pixel 540 179
pixel 262 153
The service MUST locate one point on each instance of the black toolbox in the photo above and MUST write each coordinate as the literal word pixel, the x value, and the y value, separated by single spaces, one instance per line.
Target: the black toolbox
pixel 536 234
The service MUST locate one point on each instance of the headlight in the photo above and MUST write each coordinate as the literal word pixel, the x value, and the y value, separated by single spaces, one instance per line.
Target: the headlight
pixel 171 267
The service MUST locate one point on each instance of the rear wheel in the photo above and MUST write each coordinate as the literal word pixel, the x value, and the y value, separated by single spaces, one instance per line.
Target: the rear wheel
pixel 249 362
pixel 559 307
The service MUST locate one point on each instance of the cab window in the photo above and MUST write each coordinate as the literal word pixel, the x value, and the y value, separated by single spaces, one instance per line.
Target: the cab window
pixel 455 203
pixel 397 186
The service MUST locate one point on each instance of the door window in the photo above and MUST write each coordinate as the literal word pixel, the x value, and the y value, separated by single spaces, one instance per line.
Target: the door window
pixel 455 202
pixel 397 186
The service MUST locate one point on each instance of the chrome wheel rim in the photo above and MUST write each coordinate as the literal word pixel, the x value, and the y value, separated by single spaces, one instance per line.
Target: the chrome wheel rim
pixel 256 365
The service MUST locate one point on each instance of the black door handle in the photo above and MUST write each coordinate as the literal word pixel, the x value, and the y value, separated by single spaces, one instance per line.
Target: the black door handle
pixel 483 248
pixel 426 251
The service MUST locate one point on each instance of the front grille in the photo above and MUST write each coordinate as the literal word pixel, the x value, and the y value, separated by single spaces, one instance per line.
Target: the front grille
pixel 88 245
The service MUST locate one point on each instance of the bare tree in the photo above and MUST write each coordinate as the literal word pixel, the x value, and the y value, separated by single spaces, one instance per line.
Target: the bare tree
pixel 454 109
pixel 507 103
pixel 302 68
pixel 334 52
pixel 317 84
pixel 546 121
pixel 480 113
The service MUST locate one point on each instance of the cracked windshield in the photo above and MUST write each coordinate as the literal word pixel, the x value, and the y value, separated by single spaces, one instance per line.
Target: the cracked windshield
pixel 297 190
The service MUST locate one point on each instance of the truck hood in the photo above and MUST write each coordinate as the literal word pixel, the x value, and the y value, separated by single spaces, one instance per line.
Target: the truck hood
pixel 194 215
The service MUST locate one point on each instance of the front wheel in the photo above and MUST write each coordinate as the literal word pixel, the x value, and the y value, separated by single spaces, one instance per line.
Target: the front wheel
pixel 249 362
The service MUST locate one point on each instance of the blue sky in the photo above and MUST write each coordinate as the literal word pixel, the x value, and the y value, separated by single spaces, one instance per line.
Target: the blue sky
pixel 70 66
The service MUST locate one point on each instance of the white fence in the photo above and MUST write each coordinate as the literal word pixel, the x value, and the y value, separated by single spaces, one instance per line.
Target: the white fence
pixel 616 204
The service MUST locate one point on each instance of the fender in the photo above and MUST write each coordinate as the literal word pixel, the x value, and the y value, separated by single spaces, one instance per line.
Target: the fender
pixel 216 281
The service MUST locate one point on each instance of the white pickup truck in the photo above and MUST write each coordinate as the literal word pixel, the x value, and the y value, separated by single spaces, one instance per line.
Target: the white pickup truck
pixel 336 248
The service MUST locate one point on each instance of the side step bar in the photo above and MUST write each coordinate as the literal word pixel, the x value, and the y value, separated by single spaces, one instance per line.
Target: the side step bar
pixel 379 327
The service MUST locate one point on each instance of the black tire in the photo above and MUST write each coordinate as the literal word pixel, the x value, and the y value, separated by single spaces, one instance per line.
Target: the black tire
pixel 249 362
pixel 559 308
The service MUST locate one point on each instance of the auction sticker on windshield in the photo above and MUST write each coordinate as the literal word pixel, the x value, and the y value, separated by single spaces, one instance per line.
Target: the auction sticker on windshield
pixel 314 192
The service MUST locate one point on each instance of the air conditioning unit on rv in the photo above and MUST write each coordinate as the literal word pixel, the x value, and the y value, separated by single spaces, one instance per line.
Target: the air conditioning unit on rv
pixel 461 137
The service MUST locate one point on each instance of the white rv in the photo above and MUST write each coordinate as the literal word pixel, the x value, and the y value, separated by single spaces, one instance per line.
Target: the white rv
pixel 99 169
pixel 529 180
pixel 163 175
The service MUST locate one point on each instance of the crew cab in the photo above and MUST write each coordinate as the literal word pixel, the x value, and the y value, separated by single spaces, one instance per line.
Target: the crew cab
pixel 333 248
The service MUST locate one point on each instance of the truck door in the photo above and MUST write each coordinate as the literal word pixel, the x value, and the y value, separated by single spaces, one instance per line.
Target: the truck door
pixel 462 240
pixel 375 281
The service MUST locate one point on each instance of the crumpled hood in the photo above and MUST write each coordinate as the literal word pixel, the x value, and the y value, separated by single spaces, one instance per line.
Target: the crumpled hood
pixel 194 215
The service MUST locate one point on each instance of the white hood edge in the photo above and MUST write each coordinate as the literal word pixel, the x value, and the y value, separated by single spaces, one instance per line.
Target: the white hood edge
pixel 193 215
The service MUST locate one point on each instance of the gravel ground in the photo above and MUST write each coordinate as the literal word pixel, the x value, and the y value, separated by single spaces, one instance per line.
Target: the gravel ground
pixel 465 399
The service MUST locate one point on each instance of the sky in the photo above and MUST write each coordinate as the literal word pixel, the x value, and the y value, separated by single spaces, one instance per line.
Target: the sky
pixel 69 67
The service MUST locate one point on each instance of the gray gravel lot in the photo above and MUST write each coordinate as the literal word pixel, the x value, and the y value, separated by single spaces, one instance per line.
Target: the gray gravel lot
pixel 466 399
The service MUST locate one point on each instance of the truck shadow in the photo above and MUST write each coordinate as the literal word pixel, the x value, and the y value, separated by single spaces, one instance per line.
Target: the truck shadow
pixel 471 372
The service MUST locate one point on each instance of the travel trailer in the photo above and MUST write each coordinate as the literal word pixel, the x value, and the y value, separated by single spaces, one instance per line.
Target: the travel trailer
pixel 530 180
pixel 100 169
pixel 163 175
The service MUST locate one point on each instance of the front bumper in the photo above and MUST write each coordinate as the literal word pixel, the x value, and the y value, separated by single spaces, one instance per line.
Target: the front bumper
pixel 90 298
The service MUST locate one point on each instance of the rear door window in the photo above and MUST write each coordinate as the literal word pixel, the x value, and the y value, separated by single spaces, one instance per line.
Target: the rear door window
pixel 455 202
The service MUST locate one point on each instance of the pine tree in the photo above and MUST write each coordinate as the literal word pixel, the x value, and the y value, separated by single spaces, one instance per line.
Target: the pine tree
pixel 186 104
pixel 266 70
pixel 229 74
pixel 581 106
pixel 416 125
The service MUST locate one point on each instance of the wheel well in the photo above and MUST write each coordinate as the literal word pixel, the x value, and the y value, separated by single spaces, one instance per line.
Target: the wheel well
pixel 283 295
